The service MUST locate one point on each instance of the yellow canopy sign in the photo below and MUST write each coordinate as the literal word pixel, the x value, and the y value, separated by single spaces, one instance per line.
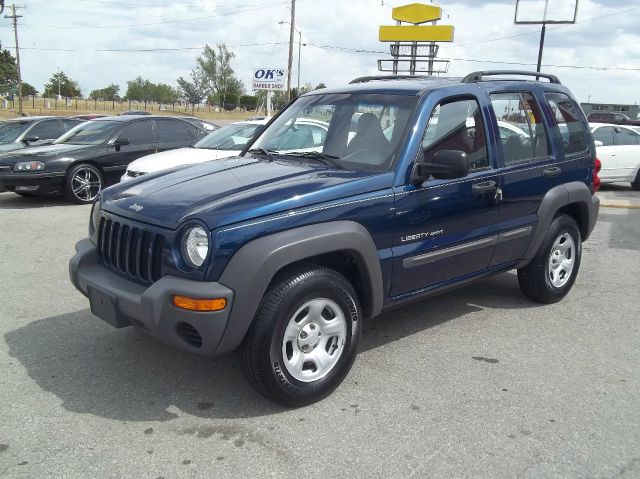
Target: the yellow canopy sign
pixel 416 13
pixel 416 33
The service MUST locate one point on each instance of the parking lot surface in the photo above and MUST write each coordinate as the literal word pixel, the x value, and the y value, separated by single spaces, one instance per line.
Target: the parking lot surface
pixel 479 382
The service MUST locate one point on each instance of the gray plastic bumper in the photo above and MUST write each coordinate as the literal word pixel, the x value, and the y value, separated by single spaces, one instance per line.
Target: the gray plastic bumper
pixel 122 303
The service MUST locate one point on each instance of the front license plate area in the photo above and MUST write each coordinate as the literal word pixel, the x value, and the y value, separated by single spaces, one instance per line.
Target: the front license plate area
pixel 103 305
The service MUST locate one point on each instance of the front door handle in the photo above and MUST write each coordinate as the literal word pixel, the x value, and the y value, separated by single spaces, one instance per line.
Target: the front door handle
pixel 484 187
pixel 552 172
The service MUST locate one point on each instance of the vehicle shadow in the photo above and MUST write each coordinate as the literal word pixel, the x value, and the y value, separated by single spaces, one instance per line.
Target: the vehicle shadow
pixel 13 201
pixel 129 376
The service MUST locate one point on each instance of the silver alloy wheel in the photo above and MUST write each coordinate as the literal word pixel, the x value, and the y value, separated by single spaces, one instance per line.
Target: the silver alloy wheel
pixel 85 183
pixel 314 339
pixel 561 260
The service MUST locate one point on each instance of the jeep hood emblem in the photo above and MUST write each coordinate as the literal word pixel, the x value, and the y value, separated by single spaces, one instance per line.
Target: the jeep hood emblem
pixel 136 207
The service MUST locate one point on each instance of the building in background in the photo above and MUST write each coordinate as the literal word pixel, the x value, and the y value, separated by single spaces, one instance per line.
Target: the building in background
pixel 632 111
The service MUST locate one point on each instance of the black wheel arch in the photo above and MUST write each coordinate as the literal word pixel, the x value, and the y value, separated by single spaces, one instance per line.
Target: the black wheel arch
pixel 345 246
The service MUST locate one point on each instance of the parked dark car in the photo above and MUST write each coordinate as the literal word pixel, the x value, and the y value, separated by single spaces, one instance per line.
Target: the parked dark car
pixel 80 163
pixel 135 112
pixel 613 118
pixel 207 125
pixel 89 116
pixel 18 133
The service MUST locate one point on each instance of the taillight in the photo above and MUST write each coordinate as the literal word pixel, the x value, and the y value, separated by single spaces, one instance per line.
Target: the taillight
pixel 596 179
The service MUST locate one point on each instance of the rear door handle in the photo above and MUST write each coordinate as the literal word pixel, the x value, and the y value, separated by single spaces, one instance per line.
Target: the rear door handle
pixel 552 172
pixel 484 187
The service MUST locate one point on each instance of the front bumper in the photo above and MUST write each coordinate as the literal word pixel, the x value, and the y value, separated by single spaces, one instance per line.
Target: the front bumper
pixel 46 183
pixel 121 303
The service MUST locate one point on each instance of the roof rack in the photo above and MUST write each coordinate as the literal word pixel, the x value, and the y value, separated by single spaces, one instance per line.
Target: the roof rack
pixel 390 77
pixel 478 76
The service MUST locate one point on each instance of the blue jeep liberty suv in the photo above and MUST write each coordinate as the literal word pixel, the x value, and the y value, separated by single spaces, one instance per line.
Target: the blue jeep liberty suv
pixel 352 200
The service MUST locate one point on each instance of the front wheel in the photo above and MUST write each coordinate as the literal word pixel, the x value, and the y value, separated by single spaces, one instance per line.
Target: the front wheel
pixel 553 270
pixel 304 339
pixel 83 183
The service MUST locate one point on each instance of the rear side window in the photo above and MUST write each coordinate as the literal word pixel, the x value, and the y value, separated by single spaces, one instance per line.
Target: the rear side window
pixel 172 131
pixel 604 134
pixel 457 125
pixel 522 131
pixel 566 117
pixel 47 129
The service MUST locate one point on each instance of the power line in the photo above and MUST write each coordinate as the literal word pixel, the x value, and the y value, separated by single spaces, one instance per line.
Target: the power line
pixel 145 50
pixel 180 20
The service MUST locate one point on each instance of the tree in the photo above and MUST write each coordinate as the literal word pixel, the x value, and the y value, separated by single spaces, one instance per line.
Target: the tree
pixel 193 91
pixel 140 89
pixel 28 89
pixel 250 102
pixel 8 72
pixel 61 82
pixel 217 74
pixel 109 93
pixel 320 86
pixel 163 93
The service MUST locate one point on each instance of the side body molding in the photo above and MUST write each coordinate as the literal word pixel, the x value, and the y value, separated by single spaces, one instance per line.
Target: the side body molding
pixel 575 194
pixel 252 268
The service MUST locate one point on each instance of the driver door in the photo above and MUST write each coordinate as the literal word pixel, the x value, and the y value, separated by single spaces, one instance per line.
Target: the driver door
pixel 446 229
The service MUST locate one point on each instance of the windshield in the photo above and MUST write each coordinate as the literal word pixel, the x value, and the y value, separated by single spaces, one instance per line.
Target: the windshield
pixel 230 137
pixel 90 133
pixel 11 130
pixel 352 131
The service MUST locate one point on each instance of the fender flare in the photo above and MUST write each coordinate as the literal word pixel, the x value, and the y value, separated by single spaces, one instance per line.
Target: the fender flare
pixel 574 193
pixel 254 265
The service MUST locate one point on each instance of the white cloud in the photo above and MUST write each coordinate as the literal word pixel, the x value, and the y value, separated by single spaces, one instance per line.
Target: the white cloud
pixel 611 41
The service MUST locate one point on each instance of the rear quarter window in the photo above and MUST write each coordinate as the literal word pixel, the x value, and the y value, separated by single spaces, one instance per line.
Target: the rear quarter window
pixel 575 137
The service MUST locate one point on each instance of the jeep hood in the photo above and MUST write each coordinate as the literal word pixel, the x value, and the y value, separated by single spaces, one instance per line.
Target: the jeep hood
pixel 234 190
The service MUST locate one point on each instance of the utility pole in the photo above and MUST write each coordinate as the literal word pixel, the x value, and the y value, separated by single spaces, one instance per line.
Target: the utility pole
pixel 291 32
pixel 15 17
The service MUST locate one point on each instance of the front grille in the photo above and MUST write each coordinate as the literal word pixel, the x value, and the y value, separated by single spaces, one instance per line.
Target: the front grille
pixel 189 334
pixel 130 251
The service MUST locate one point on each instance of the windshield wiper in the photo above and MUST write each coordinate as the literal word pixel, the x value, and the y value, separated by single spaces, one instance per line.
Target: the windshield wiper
pixel 262 151
pixel 329 160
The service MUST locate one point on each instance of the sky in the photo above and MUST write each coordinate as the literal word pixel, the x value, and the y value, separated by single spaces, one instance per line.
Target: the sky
pixel 160 40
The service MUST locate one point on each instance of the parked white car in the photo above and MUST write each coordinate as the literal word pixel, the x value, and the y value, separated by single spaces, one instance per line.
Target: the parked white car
pixel 618 148
pixel 222 143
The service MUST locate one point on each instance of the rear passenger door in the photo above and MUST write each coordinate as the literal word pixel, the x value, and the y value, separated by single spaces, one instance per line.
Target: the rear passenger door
pixel 531 165
pixel 173 134
pixel 445 229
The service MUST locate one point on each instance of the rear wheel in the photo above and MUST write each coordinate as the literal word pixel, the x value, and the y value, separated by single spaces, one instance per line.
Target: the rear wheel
pixel 305 336
pixel 83 183
pixel 553 270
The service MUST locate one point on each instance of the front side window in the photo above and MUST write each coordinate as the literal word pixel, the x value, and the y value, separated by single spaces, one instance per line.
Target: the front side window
pixel 46 130
pixel 457 124
pixel 622 136
pixel 353 131
pixel 90 133
pixel 139 132
pixel 566 117
pixel 522 131
pixel 11 130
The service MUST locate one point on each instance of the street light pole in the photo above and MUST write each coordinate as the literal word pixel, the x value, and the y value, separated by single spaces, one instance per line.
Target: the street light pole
pixel 293 22
pixel 299 32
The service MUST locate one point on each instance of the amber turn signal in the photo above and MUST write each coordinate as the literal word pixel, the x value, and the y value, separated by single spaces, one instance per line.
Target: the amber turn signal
pixel 194 304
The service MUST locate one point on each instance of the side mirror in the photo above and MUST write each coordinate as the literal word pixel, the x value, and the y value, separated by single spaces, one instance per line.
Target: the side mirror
pixel 446 165
pixel 598 143
pixel 121 141
pixel 31 139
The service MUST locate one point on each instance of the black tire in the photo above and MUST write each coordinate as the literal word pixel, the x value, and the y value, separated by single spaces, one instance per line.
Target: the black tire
pixel 535 279
pixel 78 172
pixel 262 350
pixel 636 184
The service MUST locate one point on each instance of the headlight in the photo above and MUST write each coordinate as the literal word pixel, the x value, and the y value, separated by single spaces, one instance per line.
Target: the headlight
pixel 28 166
pixel 95 216
pixel 195 246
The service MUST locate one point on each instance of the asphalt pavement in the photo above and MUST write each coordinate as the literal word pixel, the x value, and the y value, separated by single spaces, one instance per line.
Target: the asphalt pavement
pixel 479 382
